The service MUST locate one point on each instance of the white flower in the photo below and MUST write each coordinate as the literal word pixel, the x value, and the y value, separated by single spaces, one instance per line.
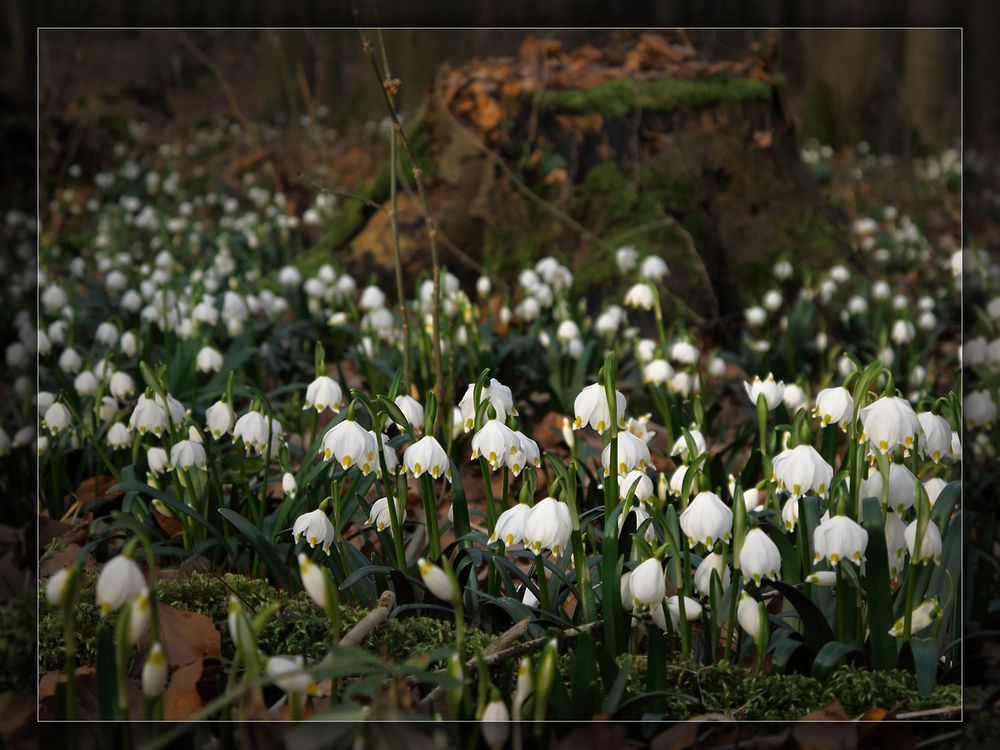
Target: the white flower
pixel 154 672
pixel 922 616
pixel 351 445
pixel 208 359
pixel 902 332
pixel 684 383
pixel 56 589
pixel 157 460
pixel 510 525
pixel 288 484
pixel 889 422
pixel 979 409
pixel 653 267
pixel 677 480
pixel 902 487
pixel 930 544
pixel 313 580
pixel 712 563
pixel 684 352
pixel 86 383
pixel 625 258
pixel 290 675
pixel 822 578
pixel 427 455
pixel 567 331
pixel 760 556
pixel 639 428
pixel 706 520
pixel 323 393
pixel 935 443
pixel 120 581
pixel 380 517
pixel 219 419
pixel 548 526
pixel 148 416
pixel 895 542
pixel 496 393
pixel 633 453
pixel 121 385
pixel 591 408
pixel 692 611
pixel 493 442
pixel 834 406
pixel 657 371
pixel 782 269
pixel 790 513
pixel 640 296
pixel 391 460
pixel 118 436
pixel 771 390
pixel 412 410
pixel 645 350
pixel 70 361
pixel 843 539
pixel 641 516
pixel 643 485
pixel 139 616
pixel 57 418
pixel 187 453
pixel 496 724
pixel 755 316
pixel 372 298
pixel 773 300
pixel 315 526
pixel 680 447
pixel 436 580
pixel 795 398
pixel 647 585
pixel 802 469
pixel 526 453
pixel 748 616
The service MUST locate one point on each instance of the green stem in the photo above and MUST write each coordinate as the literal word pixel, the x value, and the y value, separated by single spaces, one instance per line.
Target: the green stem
pixel 543 584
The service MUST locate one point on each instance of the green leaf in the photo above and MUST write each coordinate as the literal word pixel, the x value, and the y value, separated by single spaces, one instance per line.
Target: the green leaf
pixel 881 644
pixel 617 691
pixel 263 545
pixel 786 653
pixel 107 674
pixel 816 629
pixel 831 656
pixel 363 572
pixel 925 663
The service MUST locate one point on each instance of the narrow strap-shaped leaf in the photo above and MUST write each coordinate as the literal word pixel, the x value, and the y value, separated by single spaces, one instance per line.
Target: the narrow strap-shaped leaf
pixel 817 631
pixel 881 645
pixel 831 656
pixel 263 546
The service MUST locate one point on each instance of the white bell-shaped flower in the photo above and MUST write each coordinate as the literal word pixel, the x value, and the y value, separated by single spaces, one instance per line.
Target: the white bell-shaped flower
pixel 496 393
pixel 121 385
pixel 380 516
pixel 895 543
pixel 208 359
pixel 935 442
pixel 759 557
pixel 323 393
pixel 493 442
pixel 633 453
pixel 680 447
pixel 801 470
pixel 591 408
pixel 154 672
pixel 748 615
pixel 930 544
pixel 313 580
pixel 773 391
pixel 315 526
pixel 706 520
pixel 185 454
pixel 657 371
pixel 643 486
pixel 890 422
pixel 219 419
pixel 548 527
pixel 412 410
pixel 923 615
pixel 510 525
pixel 427 455
pixel 290 675
pixel 350 444
pixel 525 454
pixel 902 487
pixel 834 406
pixel 641 516
pixel 713 562
pixel 437 581
pixel 843 539
pixel 647 585
pixel 640 296
pixel 119 582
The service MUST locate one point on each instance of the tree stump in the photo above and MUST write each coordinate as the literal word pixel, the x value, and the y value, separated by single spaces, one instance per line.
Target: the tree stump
pixel 640 143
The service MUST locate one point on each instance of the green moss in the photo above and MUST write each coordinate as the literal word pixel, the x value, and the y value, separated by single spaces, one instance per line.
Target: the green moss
pixel 618 98
pixel 17 643
pixel 299 627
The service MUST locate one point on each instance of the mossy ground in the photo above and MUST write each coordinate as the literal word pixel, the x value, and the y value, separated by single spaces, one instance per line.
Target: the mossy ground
pixel 299 627
pixel 618 98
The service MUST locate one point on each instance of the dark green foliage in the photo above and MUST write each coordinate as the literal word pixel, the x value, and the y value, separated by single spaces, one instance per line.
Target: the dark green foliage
pixel 17 643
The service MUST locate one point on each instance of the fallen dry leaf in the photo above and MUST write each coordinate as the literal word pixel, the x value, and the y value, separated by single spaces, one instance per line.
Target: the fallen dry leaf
pixel 182 698
pixel 763 139
pixel 185 637
pixel 61 559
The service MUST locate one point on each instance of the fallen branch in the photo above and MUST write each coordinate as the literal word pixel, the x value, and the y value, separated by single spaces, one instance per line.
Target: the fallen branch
pixel 371 620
